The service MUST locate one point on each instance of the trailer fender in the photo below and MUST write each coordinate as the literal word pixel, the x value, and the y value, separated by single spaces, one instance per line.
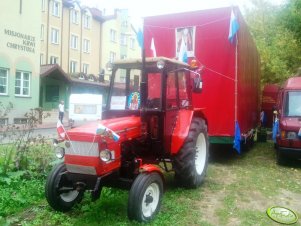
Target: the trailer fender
pixel 181 129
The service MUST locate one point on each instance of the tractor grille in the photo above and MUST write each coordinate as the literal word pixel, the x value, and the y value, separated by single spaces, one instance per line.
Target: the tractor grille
pixel 88 149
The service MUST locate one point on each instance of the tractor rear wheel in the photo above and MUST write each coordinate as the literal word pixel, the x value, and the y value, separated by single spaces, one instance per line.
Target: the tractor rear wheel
pixel 59 191
pixel 145 197
pixel 191 162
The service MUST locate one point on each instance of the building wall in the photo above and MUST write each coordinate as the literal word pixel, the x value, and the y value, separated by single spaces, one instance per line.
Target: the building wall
pixel 64 50
pixel 122 27
pixel 20 54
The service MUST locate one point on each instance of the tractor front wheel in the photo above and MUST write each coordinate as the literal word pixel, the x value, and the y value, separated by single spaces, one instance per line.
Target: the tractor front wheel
pixel 59 191
pixel 190 164
pixel 145 197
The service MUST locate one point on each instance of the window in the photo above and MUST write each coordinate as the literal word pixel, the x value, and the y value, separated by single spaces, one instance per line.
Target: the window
pixel 123 56
pixel 112 56
pixel 86 46
pixel 41 58
pixel 55 8
pixel 22 83
pixel 54 36
pixel 72 66
pixel 87 21
pixel 85 68
pixel 3 81
pixel 54 60
pixel 74 16
pixel 293 104
pixel 171 91
pixel 113 35
pixel 42 31
pixel 123 39
pixel 43 6
pixel 132 43
pixel 74 41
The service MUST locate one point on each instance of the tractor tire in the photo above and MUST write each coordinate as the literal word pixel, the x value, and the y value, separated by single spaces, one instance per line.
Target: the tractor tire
pixel 281 158
pixel 191 162
pixel 145 197
pixel 56 183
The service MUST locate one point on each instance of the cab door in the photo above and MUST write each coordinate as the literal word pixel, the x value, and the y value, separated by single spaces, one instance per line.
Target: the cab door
pixel 171 108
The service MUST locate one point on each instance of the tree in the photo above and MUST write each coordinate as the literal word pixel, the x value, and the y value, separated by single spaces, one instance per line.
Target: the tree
pixel 278 46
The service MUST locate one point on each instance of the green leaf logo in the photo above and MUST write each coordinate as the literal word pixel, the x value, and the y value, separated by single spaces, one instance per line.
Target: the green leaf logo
pixel 282 215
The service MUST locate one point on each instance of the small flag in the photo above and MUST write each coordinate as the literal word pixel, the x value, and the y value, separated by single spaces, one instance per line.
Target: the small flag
pixel 237 138
pixel 234 27
pixel 104 131
pixel 140 38
pixel 275 129
pixel 153 48
pixel 60 130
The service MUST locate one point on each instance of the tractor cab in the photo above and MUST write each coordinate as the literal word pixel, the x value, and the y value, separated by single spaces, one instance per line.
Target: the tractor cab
pixel 156 90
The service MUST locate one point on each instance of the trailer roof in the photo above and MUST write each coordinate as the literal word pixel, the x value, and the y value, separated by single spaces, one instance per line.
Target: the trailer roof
pixel 149 62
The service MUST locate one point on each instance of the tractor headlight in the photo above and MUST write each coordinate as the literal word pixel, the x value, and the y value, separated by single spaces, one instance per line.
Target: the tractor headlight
pixel 105 155
pixel 59 152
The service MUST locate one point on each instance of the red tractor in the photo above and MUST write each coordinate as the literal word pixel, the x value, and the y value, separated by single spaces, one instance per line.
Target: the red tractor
pixel 149 122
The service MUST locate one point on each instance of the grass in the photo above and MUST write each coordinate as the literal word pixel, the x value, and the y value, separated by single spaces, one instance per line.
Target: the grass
pixel 237 191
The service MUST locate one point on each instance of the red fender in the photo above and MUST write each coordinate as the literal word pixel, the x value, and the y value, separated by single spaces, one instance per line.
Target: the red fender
pixel 149 168
pixel 181 130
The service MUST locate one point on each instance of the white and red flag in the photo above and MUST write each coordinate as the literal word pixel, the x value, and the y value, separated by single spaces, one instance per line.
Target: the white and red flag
pixel 153 48
pixel 60 130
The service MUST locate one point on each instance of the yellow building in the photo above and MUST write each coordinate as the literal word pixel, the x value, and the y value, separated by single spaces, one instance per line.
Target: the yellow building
pixel 19 58
pixel 79 41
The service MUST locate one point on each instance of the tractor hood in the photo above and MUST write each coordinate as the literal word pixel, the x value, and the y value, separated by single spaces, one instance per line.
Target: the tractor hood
pixel 128 127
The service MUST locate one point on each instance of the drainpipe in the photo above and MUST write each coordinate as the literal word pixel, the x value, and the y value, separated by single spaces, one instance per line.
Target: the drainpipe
pixel 47 33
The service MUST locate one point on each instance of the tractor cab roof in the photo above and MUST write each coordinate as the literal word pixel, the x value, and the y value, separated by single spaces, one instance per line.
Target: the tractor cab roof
pixel 150 63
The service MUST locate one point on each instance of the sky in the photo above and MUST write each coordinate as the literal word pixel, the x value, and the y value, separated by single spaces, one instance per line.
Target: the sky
pixel 141 8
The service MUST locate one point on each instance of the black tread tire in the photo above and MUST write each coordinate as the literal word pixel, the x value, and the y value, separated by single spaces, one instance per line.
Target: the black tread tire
pixel 137 192
pixel 184 161
pixel 55 180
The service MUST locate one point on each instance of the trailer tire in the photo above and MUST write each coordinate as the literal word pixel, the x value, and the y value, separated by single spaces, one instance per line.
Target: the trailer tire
pixel 145 197
pixel 191 162
pixel 56 180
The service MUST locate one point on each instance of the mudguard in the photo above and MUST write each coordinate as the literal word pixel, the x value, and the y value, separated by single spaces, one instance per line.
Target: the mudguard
pixel 181 129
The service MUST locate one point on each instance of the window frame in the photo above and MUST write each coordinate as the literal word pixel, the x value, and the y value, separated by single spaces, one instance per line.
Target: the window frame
pixel 6 85
pixel 112 56
pixel 53 60
pixel 86 45
pixel 113 35
pixel 72 67
pixel 75 16
pixel 22 81
pixel 55 36
pixel 55 8
pixel 85 68
pixel 87 21
pixel 132 43
pixel 74 42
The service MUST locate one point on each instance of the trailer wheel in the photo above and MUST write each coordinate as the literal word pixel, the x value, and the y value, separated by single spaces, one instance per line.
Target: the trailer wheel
pixel 145 197
pixel 190 164
pixel 59 191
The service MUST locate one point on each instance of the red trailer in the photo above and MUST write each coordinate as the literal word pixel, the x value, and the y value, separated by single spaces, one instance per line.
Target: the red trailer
pixel 231 68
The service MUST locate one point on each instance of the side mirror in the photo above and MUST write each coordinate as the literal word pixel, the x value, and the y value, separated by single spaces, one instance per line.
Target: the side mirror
pixel 197 84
